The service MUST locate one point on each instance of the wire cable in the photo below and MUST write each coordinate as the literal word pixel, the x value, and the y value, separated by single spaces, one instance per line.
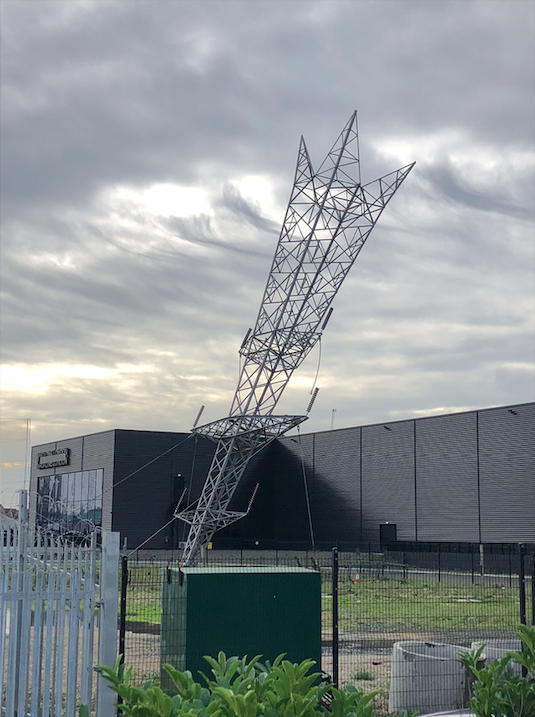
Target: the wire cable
pixel 307 498
pixel 39 514
pixel 188 496
pixel 114 485
pixel 151 536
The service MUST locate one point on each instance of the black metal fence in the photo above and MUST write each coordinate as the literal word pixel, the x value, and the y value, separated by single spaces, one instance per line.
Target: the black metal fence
pixel 391 622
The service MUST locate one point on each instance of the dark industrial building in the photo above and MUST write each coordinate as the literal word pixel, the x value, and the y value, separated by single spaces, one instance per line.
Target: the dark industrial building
pixel 460 477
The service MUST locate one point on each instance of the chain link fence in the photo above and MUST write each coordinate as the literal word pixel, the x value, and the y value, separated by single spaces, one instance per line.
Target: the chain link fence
pixel 391 622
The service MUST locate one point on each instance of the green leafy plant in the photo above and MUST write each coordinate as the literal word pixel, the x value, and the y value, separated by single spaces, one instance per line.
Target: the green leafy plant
pixel 238 688
pixel 496 691
pixel 351 702
pixel 190 699
pixel 289 690
pixel 364 674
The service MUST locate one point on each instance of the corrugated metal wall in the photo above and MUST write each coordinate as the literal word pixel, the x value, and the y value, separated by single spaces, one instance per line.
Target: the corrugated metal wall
pixel 461 477
pixel 147 490
pixel 388 479
pixel 466 476
pixel 507 473
pixel 337 485
pixel 446 478
pixel 292 463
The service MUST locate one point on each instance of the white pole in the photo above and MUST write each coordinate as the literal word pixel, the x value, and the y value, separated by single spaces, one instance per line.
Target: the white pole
pixel 22 539
pixel 332 418
pixel 107 634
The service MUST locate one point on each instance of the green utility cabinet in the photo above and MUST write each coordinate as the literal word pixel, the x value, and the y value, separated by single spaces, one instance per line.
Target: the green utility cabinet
pixel 242 611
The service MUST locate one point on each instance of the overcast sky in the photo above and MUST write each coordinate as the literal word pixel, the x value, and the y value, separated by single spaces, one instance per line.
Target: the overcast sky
pixel 148 151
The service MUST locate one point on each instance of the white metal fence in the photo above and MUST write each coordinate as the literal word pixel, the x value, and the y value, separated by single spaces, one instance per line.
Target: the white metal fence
pixel 50 592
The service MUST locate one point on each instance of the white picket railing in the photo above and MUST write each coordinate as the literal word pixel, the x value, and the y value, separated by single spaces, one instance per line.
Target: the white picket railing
pixel 49 593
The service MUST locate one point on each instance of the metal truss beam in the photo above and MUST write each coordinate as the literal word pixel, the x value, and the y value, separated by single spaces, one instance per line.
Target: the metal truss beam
pixel 329 217
pixel 238 438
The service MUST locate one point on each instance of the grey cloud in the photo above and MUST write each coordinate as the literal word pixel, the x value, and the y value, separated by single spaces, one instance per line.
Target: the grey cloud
pixel 246 210
pixel 105 94
pixel 198 230
pixel 108 106
pixel 445 181
pixel 119 286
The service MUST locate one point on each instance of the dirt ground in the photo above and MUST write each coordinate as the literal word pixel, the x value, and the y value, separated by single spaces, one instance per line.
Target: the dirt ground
pixel 369 653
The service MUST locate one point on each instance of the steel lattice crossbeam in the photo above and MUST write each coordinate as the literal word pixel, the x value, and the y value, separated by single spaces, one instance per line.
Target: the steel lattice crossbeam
pixel 329 217
pixel 238 440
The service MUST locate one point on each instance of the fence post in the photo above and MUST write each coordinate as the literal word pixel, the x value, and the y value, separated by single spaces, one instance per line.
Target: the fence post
pixel 122 614
pixel 533 591
pixel 522 589
pixel 510 567
pixel 107 634
pixel 522 582
pixel 122 606
pixel 335 615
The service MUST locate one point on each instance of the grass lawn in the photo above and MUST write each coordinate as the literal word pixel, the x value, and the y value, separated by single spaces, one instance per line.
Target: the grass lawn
pixel 143 594
pixel 375 605
pixel 416 605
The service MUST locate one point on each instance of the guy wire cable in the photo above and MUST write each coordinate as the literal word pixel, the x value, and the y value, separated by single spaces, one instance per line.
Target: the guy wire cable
pixel 306 490
pixel 152 536
pixel 188 496
pixel 114 485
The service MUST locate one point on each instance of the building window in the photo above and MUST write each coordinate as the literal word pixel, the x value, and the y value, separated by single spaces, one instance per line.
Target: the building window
pixel 70 502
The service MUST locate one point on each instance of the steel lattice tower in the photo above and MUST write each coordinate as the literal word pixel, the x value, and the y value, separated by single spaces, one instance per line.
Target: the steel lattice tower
pixel 329 217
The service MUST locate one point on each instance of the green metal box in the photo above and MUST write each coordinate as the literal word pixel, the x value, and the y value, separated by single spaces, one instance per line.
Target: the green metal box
pixel 242 611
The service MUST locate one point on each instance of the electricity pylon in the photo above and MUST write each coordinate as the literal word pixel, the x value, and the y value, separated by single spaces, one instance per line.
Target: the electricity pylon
pixel 329 217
